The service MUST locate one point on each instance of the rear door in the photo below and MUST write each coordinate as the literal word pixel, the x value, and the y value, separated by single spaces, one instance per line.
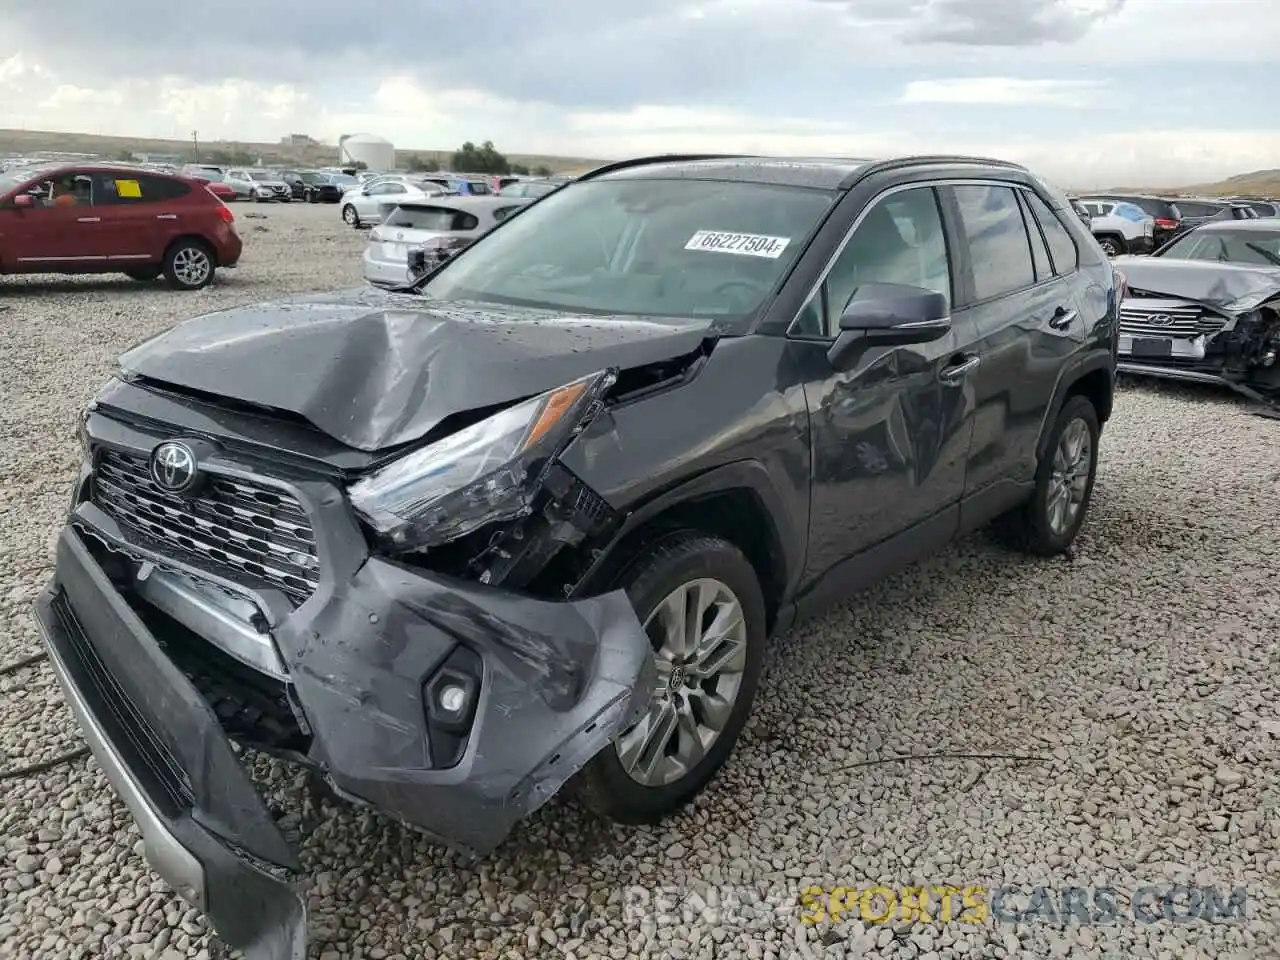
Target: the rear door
pixel 1028 322
pixel 144 214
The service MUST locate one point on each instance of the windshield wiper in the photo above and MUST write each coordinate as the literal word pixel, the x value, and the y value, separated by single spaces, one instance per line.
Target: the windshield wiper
pixel 1263 252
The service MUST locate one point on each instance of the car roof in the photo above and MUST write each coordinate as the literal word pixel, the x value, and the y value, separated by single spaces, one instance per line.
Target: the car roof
pixel 1232 226
pixel 823 173
pixel 60 169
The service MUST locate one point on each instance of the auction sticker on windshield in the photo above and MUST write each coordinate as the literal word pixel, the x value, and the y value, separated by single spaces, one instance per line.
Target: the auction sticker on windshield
pixel 743 244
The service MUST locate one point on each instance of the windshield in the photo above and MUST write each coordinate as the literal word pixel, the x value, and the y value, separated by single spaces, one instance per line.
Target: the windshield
pixel 213 176
pixel 677 248
pixel 1258 247
pixel 262 175
pixel 342 180
pixel 10 180
pixel 311 177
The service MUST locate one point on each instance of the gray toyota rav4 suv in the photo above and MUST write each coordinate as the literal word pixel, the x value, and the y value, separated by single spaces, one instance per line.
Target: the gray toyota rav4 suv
pixel 530 519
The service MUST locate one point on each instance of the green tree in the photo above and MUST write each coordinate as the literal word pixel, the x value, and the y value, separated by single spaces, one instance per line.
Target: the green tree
pixel 542 170
pixel 419 164
pixel 483 159
pixel 520 169
pixel 360 165
pixel 124 156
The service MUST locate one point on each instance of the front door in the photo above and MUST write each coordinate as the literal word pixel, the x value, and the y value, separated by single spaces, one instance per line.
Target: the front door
pixel 890 437
pixel 60 230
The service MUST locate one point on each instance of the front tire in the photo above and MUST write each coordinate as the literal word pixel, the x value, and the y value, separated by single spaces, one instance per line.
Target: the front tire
pixel 350 217
pixel 1111 246
pixel 189 265
pixel 1048 523
pixel 701 603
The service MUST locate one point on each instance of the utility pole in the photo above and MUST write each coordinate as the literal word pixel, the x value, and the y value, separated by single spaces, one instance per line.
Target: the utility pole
pixel 195 139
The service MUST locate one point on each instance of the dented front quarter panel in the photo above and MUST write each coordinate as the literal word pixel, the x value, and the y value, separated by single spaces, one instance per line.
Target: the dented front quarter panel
pixel 560 679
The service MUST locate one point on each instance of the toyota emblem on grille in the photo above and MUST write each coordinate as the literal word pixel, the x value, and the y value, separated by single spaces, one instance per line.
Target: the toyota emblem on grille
pixel 173 467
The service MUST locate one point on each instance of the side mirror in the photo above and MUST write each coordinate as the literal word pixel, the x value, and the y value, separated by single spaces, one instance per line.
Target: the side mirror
pixel 889 315
pixel 24 200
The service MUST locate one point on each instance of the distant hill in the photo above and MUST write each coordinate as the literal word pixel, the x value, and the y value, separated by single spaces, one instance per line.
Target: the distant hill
pixel 291 153
pixel 1260 184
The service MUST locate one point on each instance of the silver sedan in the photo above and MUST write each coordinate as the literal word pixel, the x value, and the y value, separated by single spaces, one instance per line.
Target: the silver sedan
pixel 364 204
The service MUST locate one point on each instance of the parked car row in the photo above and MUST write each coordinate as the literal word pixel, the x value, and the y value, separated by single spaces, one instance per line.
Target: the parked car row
pixel 1123 230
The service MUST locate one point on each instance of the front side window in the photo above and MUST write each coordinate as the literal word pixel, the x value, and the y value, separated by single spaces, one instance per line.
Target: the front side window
pixel 899 240
pixel 670 248
pixel 999 249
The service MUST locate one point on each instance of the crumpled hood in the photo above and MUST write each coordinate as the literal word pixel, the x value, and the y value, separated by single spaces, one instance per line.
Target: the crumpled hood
pixel 1230 287
pixel 374 369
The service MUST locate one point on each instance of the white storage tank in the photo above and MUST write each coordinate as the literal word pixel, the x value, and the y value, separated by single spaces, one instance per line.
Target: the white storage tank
pixel 375 152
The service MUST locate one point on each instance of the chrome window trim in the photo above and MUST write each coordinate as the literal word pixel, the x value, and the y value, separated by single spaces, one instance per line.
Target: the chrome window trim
pixel 862 215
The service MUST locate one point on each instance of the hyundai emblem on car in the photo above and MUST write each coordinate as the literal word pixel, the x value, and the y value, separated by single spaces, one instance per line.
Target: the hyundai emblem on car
pixel 173 467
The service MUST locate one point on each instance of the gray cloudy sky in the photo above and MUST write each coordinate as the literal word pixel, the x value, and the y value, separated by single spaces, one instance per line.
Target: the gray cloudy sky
pixel 1089 91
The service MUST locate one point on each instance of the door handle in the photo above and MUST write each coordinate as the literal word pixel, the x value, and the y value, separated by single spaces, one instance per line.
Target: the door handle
pixel 88 219
pixel 958 371
pixel 1062 318
pixel 166 216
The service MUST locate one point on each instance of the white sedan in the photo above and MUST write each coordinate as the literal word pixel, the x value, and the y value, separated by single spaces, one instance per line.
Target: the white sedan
pixel 365 204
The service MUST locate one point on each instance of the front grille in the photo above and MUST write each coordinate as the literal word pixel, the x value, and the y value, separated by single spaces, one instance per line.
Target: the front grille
pixel 252 532
pixel 1180 322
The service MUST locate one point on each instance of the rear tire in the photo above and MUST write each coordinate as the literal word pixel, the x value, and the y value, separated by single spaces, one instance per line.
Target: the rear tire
pixel 143 274
pixel 189 265
pixel 662 762
pixel 1043 526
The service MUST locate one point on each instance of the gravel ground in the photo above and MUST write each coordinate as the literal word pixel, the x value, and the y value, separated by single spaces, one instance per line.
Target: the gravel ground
pixel 1136 679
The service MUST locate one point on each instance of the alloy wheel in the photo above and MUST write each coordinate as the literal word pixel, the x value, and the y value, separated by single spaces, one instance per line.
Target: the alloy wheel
pixel 191 266
pixel 699 635
pixel 1069 480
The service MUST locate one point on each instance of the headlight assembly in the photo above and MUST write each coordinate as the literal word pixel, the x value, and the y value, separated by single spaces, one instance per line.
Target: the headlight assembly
pixel 485 473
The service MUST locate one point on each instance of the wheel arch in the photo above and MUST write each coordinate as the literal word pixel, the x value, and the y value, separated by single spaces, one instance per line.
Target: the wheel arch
pixel 737 502
pixel 187 238
pixel 1092 378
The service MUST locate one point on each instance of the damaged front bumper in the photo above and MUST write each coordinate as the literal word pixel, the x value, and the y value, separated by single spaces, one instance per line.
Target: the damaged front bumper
pixel 544 687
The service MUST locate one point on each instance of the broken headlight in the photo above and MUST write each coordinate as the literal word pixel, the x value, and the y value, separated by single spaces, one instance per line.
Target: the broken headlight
pixel 487 472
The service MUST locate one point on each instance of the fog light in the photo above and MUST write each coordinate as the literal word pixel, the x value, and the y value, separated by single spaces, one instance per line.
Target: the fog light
pixel 453 699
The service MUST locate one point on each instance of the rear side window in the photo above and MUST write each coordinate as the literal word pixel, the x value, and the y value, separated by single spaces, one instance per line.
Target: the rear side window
pixel 1190 208
pixel 1039 250
pixel 126 188
pixel 999 248
pixel 441 219
pixel 1062 248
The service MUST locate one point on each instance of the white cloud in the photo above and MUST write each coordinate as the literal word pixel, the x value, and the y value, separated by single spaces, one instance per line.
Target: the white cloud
pixel 1002 91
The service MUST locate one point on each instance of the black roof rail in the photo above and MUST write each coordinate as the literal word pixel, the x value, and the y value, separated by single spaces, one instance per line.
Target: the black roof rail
pixel 662 158
pixel 923 160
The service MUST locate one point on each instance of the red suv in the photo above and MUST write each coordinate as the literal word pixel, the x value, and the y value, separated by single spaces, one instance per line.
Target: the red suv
pixel 104 219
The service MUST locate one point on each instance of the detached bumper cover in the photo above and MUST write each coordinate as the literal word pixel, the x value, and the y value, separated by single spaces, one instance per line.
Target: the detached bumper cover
pixel 558 682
